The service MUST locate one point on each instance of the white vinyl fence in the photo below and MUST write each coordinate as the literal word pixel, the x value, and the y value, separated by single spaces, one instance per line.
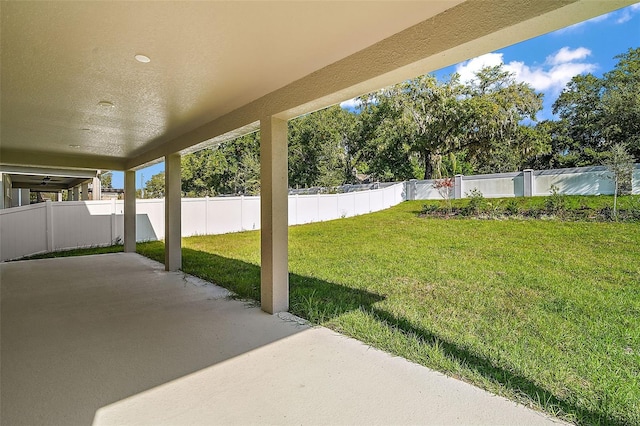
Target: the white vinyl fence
pixel 61 225
pixel 576 181
pixel 53 226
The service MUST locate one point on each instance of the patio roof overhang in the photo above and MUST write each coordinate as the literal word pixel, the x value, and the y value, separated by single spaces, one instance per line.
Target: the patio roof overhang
pixel 73 95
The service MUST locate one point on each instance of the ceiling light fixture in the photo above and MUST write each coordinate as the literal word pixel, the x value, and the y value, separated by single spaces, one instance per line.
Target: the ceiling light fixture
pixel 106 104
pixel 74 146
pixel 142 58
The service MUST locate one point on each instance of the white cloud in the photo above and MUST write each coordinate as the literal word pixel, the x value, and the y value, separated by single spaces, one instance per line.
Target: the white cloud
pixel 552 76
pixel 351 104
pixel 624 17
pixel 627 13
pixel 567 55
pixel 468 69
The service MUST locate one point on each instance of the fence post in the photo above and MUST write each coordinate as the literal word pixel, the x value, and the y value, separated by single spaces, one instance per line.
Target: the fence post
pixel 412 189
pixel 457 189
pixel 206 215
pixel 48 209
pixel 383 204
pixel 528 182
pixel 241 213
pixel 113 221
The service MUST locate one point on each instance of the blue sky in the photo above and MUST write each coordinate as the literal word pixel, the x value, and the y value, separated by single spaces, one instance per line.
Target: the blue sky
pixel 547 62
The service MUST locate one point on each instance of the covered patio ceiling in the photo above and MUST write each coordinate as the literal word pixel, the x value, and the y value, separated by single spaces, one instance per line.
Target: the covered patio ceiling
pixel 73 94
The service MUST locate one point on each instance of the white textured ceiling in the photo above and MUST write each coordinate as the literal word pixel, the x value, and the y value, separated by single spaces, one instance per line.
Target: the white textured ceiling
pixel 209 59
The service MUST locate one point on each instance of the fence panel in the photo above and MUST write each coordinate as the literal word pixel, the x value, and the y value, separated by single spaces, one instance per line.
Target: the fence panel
pixel 346 205
pixel 495 185
pixel 75 226
pixel 361 202
pixel 328 207
pixel 224 215
pixel 307 209
pixel 250 213
pixel 576 181
pixel 424 190
pixel 194 216
pixel 149 219
pixel 23 231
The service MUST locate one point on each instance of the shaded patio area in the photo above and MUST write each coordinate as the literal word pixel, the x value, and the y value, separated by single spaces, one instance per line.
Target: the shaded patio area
pixel 114 339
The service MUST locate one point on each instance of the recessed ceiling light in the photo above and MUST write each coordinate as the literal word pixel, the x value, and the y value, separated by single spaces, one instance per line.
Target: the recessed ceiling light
pixel 142 58
pixel 74 146
pixel 106 104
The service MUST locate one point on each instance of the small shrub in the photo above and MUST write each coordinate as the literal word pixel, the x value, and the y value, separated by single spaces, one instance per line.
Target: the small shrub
pixel 429 209
pixel 477 203
pixel 607 213
pixel 556 202
pixel 634 209
pixel 512 208
pixel 494 209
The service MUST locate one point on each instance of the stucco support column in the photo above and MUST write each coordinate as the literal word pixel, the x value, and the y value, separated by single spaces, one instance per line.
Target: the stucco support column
pixel 96 189
pixel 130 211
pixel 274 262
pixel 84 191
pixel 76 193
pixel 172 213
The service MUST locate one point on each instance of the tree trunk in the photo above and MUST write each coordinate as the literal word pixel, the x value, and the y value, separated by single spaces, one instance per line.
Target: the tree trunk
pixel 428 167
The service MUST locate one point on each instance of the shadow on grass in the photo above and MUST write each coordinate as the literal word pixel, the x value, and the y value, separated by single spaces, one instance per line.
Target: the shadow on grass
pixel 547 400
pixel 319 301
pixel 314 299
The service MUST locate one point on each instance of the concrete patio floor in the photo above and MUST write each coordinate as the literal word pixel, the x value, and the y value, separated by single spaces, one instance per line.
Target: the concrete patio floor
pixel 114 339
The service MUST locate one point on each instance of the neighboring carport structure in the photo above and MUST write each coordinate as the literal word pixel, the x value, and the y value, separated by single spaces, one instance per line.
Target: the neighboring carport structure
pixel 77 94
pixel 25 180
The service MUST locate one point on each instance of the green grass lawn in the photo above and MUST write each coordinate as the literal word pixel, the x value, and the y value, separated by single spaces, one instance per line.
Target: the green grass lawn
pixel 544 312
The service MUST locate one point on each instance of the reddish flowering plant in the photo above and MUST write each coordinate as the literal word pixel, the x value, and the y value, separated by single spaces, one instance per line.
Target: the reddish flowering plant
pixel 445 188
